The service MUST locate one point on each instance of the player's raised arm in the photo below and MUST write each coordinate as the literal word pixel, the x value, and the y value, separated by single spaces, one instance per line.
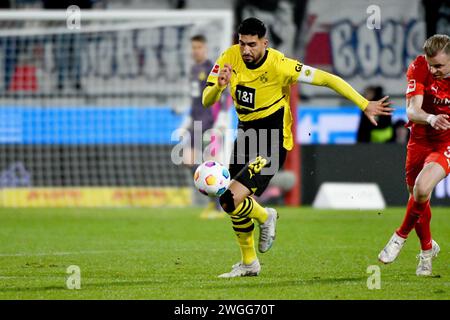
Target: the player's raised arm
pixel 321 78
pixel 217 82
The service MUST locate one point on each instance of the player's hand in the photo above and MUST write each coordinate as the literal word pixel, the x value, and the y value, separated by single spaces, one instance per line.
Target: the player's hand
pixel 439 122
pixel 225 75
pixel 378 108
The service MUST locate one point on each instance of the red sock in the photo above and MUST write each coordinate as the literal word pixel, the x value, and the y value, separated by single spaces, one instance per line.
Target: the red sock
pixel 413 211
pixel 422 227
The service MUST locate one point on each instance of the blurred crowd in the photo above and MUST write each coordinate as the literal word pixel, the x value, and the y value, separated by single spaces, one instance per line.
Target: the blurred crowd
pixel 387 130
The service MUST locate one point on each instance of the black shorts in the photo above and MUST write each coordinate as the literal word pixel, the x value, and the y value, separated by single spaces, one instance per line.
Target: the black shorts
pixel 256 139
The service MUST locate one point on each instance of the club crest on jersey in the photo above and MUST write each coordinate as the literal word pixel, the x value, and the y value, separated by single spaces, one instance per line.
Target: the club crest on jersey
pixel 263 78
pixel 202 76
pixel 411 86
pixel 215 70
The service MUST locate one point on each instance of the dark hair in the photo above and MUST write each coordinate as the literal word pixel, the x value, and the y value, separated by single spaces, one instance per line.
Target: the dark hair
pixel 252 26
pixel 199 37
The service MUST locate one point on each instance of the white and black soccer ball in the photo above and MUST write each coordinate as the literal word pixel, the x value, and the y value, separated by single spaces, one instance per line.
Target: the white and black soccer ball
pixel 212 178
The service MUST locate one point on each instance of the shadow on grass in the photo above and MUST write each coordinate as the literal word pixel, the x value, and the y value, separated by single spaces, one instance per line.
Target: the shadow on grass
pixel 213 283
pixel 87 286
pixel 32 289
pixel 262 283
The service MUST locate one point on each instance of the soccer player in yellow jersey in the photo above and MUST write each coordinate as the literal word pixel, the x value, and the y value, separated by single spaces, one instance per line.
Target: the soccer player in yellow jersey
pixel 259 78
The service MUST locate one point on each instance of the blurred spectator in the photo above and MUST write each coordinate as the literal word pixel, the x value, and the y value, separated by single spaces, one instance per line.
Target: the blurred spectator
pixel 265 5
pixel 213 118
pixel 178 4
pixel 437 16
pixel 5 4
pixel 68 47
pixel 367 132
pixel 284 20
pixel 63 4
pixel 401 133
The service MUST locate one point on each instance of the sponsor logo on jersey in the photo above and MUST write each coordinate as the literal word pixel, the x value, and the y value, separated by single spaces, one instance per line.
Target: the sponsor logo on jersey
pixel 215 70
pixel 443 101
pixel 447 153
pixel 411 86
pixel 433 88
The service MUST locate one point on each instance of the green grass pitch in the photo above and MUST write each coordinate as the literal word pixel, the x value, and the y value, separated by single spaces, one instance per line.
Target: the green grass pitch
pixel 172 254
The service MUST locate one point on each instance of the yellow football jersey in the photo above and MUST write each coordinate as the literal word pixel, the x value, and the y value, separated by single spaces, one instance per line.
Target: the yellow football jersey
pixel 258 91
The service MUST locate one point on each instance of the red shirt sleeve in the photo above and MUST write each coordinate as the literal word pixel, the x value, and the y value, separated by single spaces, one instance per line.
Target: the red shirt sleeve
pixel 416 75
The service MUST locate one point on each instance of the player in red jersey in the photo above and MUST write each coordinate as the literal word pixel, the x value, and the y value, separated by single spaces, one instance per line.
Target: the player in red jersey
pixel 428 152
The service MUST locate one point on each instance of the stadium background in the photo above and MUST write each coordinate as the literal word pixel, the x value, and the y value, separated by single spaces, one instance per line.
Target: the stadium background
pixel 86 123
pixel 84 120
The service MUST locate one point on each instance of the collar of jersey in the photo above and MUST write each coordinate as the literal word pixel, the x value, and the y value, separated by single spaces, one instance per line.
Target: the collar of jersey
pixel 259 64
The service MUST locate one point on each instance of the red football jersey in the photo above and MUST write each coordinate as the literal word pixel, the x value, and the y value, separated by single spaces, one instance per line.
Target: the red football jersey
pixel 436 100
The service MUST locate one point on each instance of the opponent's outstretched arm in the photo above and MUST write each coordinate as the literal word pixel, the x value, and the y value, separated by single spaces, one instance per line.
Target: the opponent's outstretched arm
pixel 321 78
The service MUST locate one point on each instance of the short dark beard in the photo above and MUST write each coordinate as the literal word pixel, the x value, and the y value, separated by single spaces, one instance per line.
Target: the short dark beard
pixel 252 65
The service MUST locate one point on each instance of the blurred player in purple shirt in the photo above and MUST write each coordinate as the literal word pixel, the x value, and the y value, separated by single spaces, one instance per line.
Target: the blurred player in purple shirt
pixel 201 119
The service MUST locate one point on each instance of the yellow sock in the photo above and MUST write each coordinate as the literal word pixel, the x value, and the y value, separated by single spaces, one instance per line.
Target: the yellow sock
pixel 257 212
pixel 251 209
pixel 243 228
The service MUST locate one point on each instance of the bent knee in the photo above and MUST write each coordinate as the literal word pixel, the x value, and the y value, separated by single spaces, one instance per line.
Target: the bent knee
pixel 226 201
pixel 421 191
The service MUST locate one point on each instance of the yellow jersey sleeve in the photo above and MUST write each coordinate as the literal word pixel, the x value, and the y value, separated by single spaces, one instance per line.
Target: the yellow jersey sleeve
pixel 289 71
pixel 214 74
pixel 212 91
pixel 321 78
